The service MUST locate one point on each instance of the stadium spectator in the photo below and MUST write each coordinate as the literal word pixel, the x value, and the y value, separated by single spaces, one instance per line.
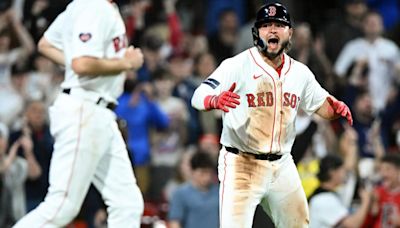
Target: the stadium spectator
pixel 37 131
pixel 381 54
pixel 195 204
pixel 326 208
pixel 385 209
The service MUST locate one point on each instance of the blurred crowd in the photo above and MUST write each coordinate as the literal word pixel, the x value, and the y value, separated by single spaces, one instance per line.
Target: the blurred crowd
pixel 352 46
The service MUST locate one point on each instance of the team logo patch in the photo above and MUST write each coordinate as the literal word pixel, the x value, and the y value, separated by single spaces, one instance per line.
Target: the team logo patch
pixel 85 37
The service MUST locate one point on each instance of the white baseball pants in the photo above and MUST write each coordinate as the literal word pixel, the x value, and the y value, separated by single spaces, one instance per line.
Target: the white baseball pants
pixel 89 148
pixel 246 182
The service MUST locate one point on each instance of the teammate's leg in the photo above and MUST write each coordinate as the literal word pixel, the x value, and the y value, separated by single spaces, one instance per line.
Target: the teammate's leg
pixel 241 189
pixel 286 201
pixel 116 182
pixel 77 150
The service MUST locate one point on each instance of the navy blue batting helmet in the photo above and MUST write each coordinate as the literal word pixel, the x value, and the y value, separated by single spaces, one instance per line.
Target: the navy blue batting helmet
pixel 272 12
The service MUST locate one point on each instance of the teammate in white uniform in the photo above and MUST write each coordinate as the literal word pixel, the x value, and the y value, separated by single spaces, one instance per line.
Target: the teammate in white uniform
pixel 260 91
pixel 88 38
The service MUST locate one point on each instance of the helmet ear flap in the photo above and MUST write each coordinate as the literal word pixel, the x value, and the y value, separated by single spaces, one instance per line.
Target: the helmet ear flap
pixel 257 40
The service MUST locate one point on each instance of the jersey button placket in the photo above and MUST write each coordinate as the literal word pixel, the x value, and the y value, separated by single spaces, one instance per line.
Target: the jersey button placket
pixel 279 114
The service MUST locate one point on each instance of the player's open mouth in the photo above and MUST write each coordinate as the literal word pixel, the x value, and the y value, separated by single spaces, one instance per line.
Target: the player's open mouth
pixel 273 43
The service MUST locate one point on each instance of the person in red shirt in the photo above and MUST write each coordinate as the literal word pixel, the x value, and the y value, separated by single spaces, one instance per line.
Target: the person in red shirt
pixel 385 210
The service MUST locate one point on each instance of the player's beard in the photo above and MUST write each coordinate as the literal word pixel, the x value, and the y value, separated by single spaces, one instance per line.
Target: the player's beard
pixel 272 55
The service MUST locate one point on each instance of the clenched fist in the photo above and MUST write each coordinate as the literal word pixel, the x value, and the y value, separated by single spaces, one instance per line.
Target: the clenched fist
pixel 134 56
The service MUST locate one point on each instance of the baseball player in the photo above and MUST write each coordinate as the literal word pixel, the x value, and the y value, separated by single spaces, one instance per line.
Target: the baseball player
pixel 260 91
pixel 89 39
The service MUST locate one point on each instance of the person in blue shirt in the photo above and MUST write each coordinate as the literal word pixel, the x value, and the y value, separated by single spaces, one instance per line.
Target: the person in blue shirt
pixel 141 113
pixel 195 204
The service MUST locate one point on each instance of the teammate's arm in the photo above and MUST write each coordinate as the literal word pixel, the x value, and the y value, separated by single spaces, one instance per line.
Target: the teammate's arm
pixel 332 109
pixel 51 43
pixel 53 53
pixel 93 66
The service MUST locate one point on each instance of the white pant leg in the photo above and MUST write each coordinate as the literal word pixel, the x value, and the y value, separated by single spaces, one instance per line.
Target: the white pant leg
pixel 116 182
pixel 286 202
pixel 242 185
pixel 80 138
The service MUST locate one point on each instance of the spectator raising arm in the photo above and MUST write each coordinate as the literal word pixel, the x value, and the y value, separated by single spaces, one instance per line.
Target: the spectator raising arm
pixel 34 169
pixel 25 39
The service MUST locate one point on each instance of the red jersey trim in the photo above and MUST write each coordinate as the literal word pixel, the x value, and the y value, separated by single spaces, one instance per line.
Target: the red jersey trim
pixel 280 121
pixel 279 69
pixel 222 190
pixel 290 65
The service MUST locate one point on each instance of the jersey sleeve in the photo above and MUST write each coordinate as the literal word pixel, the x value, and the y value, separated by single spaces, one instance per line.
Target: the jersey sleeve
pixel 54 34
pixel 90 33
pixel 220 80
pixel 313 94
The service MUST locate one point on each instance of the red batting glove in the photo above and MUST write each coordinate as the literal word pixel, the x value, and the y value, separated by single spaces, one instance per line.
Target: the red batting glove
pixel 340 109
pixel 223 101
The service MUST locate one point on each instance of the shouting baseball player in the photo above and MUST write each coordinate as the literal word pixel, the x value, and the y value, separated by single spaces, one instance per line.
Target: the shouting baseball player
pixel 89 39
pixel 260 91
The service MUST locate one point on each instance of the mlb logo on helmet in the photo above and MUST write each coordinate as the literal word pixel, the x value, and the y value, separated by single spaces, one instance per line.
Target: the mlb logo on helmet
pixel 84 37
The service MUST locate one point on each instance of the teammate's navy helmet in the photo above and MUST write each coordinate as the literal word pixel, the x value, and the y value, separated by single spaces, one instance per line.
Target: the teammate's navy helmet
pixel 272 12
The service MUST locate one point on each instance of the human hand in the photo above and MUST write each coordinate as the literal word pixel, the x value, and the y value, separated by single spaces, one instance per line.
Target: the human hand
pixel 227 99
pixel 348 141
pixel 100 219
pixel 11 16
pixel 26 144
pixel 12 153
pixel 39 6
pixel 366 194
pixel 340 109
pixel 134 56
pixel 169 6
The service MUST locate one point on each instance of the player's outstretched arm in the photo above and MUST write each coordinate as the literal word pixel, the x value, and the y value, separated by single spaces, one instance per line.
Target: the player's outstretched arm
pixel 54 54
pixel 332 109
pixel 227 99
pixel 92 66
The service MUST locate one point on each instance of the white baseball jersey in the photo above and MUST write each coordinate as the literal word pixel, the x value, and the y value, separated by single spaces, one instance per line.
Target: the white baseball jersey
pixel 264 120
pixel 101 21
